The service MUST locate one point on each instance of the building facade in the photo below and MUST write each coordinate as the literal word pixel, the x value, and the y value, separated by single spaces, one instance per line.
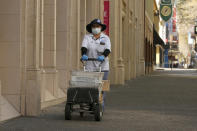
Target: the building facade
pixel 159 35
pixel 40 43
pixel 127 38
pixel 149 21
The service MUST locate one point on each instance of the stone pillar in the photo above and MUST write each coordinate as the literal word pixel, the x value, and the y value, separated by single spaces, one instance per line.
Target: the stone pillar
pixel 132 39
pixel 71 28
pixel 135 40
pixel 116 60
pixel 114 40
pixel 142 56
pixel 125 39
pixel 78 10
pixel 138 35
pixel 48 48
pixel 30 29
pixel 142 39
pixel 63 43
pixel 131 43
pixel 82 18
pixel 49 30
pixel 120 65
pixel 75 36
pixel 149 38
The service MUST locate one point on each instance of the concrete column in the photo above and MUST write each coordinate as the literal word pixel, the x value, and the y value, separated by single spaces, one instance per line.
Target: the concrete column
pixel 149 37
pixel 125 37
pixel 120 65
pixel 30 22
pixel 131 43
pixel 142 39
pixel 78 6
pixel 63 43
pixel 71 28
pixel 145 51
pixel 132 39
pixel 41 33
pixel 114 36
pixel 139 37
pixel 83 18
pixel 48 50
pixel 75 36
pixel 49 60
pixel 135 39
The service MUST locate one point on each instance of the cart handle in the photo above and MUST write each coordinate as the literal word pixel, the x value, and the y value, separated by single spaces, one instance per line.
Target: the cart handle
pixel 92 59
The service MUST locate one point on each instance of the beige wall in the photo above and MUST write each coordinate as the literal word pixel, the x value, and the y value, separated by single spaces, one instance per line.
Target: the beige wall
pixel 149 20
pixel 127 37
pixel 10 66
pixel 149 8
pixel 40 43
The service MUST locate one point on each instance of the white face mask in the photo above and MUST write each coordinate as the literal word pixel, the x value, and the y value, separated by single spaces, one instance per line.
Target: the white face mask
pixel 96 31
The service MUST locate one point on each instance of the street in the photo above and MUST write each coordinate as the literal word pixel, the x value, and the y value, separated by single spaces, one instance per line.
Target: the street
pixel 162 101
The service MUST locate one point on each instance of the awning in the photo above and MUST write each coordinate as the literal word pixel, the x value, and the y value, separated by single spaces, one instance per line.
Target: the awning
pixel 157 39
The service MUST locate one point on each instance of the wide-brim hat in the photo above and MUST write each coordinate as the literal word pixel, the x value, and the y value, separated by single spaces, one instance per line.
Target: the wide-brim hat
pixel 95 21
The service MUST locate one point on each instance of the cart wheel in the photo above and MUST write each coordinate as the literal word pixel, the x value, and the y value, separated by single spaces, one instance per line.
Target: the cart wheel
pixel 81 114
pixel 68 112
pixel 98 112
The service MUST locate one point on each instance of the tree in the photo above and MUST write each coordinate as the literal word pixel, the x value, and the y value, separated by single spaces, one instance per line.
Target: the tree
pixel 186 13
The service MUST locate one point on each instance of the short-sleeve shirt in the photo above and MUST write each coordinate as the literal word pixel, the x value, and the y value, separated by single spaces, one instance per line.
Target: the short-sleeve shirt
pixel 95 48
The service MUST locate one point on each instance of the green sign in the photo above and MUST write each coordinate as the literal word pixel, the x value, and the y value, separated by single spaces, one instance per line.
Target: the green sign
pixel 165 1
pixel 166 11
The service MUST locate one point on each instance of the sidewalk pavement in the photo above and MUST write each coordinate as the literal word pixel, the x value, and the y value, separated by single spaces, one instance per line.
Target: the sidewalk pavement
pixel 158 102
